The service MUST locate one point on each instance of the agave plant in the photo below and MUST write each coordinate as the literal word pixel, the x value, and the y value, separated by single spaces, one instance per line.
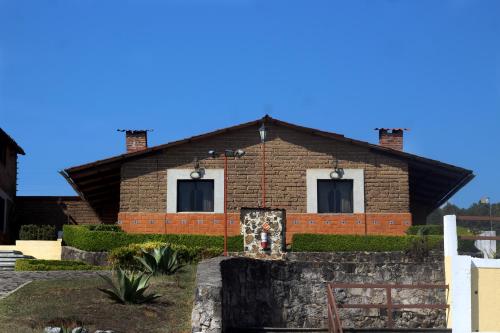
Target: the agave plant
pixel 162 260
pixel 130 288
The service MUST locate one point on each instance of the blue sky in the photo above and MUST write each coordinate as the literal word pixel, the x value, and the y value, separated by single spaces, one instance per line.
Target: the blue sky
pixel 72 72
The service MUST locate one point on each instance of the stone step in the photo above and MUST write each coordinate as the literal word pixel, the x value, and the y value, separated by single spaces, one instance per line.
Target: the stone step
pixel 10 259
pixel 14 256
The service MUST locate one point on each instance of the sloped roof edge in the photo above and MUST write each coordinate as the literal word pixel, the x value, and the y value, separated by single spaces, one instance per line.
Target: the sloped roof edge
pixel 12 142
pixel 268 119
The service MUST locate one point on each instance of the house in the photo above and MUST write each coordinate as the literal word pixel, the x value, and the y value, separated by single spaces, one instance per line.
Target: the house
pixel 9 150
pixel 326 183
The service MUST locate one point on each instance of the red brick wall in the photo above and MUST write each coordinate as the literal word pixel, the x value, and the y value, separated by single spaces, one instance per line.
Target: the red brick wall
pixel 164 223
pixel 213 224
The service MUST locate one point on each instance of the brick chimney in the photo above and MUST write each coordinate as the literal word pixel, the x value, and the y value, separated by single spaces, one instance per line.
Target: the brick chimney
pixel 391 137
pixel 136 140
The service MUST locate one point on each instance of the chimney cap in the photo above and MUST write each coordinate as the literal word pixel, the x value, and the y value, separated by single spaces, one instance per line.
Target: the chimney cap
pixel 391 129
pixel 134 130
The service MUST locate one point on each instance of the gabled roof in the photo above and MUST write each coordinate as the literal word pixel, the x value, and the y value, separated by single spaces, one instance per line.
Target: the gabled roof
pixel 11 142
pixel 98 182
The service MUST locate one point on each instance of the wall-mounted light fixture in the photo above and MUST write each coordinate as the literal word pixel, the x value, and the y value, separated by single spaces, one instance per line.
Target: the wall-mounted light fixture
pixel 239 153
pixel 263 133
pixel 198 172
pixel 212 153
pixel 337 173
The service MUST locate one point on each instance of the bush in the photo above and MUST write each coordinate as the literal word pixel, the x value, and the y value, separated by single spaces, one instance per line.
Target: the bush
pixel 54 265
pixel 84 239
pixel 103 227
pixel 124 256
pixel 347 243
pixel 430 229
pixel 435 229
pixel 37 232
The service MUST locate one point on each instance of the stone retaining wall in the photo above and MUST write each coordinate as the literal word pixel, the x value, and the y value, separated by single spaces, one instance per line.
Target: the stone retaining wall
pixel 292 292
pixel 92 258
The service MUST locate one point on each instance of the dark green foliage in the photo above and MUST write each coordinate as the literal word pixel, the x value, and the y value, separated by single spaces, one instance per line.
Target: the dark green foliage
pixel 83 239
pixel 103 227
pixel 429 229
pixel 54 265
pixel 124 256
pixel 347 243
pixel 129 288
pixel 37 232
pixel 425 230
pixel 161 260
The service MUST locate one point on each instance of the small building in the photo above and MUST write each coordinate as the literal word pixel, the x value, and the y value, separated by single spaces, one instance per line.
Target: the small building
pixel 9 150
pixel 325 182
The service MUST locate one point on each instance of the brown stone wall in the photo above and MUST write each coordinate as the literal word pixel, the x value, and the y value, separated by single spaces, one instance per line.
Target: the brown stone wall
pixel 54 211
pixel 288 154
pixel 8 173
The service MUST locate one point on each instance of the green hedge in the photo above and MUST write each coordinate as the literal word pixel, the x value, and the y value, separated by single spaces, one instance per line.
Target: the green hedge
pixel 124 256
pixel 54 265
pixel 103 227
pixel 435 229
pixel 347 243
pixel 37 232
pixel 84 239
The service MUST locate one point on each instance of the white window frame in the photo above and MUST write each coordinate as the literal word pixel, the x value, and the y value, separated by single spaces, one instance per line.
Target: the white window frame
pixel 358 188
pixel 173 175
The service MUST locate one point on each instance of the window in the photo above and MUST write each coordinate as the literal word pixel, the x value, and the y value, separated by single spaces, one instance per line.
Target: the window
pixel 335 196
pixel 2 214
pixel 195 195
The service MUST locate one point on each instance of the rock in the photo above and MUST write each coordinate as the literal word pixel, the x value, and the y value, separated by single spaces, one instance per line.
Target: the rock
pixel 50 329
pixel 91 258
pixel 79 330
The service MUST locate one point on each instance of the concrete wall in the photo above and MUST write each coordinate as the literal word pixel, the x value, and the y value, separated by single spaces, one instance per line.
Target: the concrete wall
pixel 474 291
pixel 39 249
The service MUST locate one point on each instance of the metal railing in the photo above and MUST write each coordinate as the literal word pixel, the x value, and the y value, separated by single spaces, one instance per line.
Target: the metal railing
pixel 334 321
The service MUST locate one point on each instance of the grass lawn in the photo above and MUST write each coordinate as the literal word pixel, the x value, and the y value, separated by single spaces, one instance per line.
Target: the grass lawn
pixel 77 301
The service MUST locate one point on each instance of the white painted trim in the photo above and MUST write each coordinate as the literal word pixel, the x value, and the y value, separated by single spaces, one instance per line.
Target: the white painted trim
pixel 485 263
pixel 358 190
pixel 173 175
pixel 450 235
pixel 461 299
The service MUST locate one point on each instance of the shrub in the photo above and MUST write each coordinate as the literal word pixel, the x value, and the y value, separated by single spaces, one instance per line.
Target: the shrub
pixel 54 265
pixel 103 227
pixel 428 229
pixel 124 256
pixel 84 239
pixel 435 229
pixel 130 288
pixel 37 232
pixel 347 243
pixel 162 260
